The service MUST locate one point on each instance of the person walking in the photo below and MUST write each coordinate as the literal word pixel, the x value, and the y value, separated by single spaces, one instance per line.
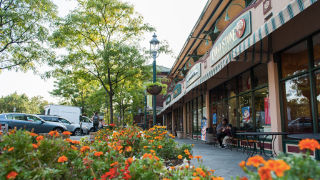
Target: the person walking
pixel 95 121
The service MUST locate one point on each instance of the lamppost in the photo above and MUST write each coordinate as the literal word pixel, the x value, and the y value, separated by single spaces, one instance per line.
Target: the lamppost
pixel 154 48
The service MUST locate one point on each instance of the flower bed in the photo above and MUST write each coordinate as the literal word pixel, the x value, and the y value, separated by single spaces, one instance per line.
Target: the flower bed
pixel 127 153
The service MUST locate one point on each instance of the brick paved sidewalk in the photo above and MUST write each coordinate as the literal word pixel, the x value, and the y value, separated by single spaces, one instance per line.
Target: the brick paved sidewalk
pixel 224 161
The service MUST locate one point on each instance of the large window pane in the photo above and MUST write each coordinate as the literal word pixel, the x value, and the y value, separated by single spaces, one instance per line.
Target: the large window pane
pixel 246 122
pixel 232 103
pixel 317 78
pixel 261 105
pixel 244 82
pixel 294 60
pixel 231 87
pixel 260 75
pixel 297 105
pixel 316 50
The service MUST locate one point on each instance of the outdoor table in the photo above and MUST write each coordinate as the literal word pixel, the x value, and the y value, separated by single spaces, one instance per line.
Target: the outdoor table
pixel 315 136
pixel 261 138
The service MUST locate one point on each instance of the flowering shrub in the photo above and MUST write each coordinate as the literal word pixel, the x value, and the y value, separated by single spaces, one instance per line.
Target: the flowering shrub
pixel 120 153
pixel 299 167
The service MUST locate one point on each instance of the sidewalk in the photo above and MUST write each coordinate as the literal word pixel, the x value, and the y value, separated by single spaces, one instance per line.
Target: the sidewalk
pixel 223 161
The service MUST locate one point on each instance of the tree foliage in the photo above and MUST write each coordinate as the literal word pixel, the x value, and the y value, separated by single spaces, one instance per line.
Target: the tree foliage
pixel 102 38
pixel 24 28
pixel 22 104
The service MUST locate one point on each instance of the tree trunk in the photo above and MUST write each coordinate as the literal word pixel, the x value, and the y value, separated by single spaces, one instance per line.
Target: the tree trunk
pixel 111 106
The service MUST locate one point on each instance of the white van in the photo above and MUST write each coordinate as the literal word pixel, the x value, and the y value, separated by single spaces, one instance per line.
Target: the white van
pixel 71 113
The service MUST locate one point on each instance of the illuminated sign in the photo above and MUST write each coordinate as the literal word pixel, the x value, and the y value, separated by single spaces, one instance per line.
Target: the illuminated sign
pixel 231 37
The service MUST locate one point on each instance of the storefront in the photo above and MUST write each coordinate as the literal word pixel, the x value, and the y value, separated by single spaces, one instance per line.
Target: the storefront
pixel 261 72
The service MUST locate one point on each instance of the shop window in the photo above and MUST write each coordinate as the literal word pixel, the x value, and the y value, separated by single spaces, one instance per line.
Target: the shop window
pixel 261 107
pixel 316 50
pixel 246 122
pixel 295 60
pixel 231 87
pixel 297 105
pixel 260 75
pixel 317 79
pixel 244 81
pixel 232 111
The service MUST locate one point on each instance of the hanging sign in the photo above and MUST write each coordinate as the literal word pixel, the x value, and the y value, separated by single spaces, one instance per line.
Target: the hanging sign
pixel 177 90
pixel 237 31
pixel 193 74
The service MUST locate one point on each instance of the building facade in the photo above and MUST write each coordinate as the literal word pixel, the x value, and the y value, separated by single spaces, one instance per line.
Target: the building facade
pixel 254 62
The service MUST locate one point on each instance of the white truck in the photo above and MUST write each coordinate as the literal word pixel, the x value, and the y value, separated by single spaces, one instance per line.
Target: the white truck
pixel 72 114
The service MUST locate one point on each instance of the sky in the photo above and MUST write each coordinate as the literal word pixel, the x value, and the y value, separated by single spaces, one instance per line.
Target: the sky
pixel 172 19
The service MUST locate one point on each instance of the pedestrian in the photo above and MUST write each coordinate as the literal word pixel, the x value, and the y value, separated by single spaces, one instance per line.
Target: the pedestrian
pixel 95 121
pixel 222 131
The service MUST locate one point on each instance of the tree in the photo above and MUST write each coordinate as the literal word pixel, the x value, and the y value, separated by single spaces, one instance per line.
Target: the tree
pixel 77 90
pixel 102 37
pixel 23 31
pixel 22 104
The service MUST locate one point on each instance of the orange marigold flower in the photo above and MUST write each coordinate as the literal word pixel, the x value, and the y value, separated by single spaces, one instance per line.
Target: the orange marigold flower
pixel 97 154
pixel 172 167
pixel 217 178
pixel 278 166
pixel 84 148
pixel 179 157
pixel 145 147
pixel 69 140
pixel 12 175
pixel 196 178
pixel 187 166
pixel 35 146
pixel 244 178
pixel 129 148
pixel 62 159
pixel 114 164
pixel 54 133
pixel 152 151
pixel 198 157
pixel 186 151
pixel 73 147
pixel 310 144
pixel 242 164
pixel 264 173
pixel 190 157
pixel 39 138
pixel 0 132
pixel 76 142
pixel 11 149
pixel 129 160
pixel 33 134
pixel 160 147
pixel 255 161
pixel 166 179
pixel 67 133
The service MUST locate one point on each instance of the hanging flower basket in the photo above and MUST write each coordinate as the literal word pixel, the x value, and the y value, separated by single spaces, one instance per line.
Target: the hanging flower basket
pixel 154 89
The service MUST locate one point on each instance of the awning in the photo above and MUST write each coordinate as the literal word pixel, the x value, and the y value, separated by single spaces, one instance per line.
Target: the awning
pixel 290 11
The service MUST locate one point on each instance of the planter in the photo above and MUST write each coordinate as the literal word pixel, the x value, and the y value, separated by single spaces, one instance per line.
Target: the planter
pixel 180 134
pixel 154 89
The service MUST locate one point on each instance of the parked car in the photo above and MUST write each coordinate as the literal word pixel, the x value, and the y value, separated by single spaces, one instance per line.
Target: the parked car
pixel 30 123
pixel 86 123
pixel 72 127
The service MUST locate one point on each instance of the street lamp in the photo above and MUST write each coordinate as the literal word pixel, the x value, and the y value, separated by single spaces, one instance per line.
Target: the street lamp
pixel 154 48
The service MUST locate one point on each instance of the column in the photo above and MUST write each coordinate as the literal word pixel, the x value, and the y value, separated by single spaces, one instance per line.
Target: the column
pixel 184 116
pixel 274 103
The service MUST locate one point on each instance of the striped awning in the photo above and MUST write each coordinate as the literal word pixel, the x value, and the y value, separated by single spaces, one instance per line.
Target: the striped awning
pixel 290 11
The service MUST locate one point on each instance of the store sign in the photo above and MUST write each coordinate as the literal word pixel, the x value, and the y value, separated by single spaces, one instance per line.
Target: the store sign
pixel 231 37
pixel 168 100
pixel 203 129
pixel 177 90
pixel 193 74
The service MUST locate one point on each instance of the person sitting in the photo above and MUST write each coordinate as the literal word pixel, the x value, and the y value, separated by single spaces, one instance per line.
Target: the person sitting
pixel 221 131
pixel 228 135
